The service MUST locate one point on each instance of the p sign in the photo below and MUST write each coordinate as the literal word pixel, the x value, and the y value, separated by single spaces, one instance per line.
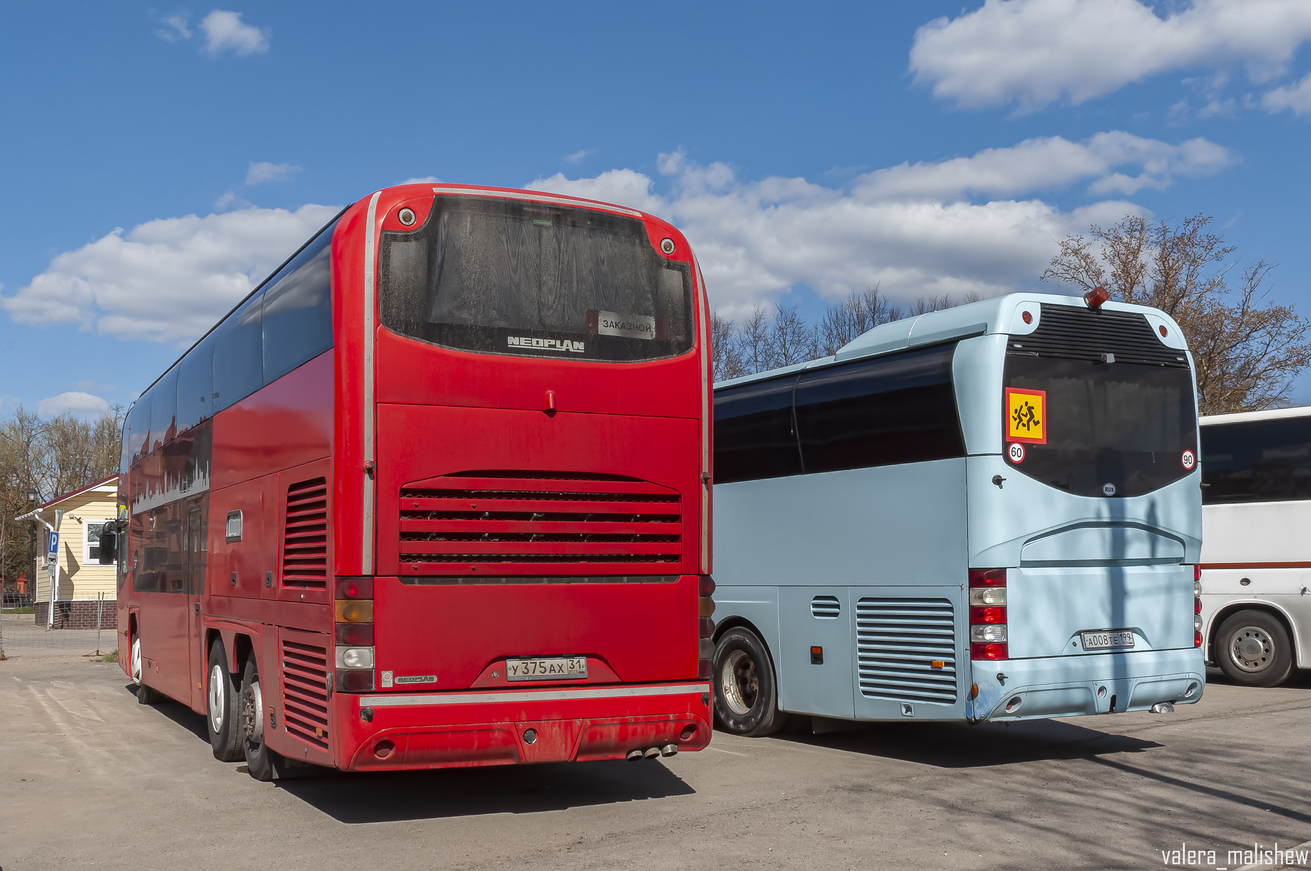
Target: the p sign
pixel 53 552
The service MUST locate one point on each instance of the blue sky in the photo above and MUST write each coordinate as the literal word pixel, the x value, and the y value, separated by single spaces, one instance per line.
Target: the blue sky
pixel 157 161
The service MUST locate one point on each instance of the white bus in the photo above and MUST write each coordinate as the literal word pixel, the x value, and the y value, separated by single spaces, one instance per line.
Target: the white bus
pixel 1256 552
pixel 986 513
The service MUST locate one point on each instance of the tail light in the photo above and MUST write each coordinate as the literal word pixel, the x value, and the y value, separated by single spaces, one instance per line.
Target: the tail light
pixel 353 609
pixel 1197 606
pixel 988 639
pixel 706 627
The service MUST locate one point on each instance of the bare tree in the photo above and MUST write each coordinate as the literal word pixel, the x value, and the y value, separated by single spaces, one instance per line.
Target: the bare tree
pixel 938 302
pixel 857 314
pixel 755 341
pixel 791 340
pixel 53 457
pixel 1247 350
pixel 725 352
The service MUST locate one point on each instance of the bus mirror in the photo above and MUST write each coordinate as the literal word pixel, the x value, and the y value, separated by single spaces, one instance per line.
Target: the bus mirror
pixel 109 543
pixel 108 540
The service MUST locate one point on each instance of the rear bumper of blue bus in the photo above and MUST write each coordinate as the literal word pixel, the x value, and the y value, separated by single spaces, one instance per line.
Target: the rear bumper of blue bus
pixel 1068 686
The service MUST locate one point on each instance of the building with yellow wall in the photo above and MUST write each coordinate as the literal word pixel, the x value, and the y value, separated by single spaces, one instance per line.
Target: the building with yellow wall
pixel 82 580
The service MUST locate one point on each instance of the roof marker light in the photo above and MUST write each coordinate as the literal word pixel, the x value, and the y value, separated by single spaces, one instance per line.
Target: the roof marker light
pixel 1095 297
pixel 1163 330
pixel 1028 318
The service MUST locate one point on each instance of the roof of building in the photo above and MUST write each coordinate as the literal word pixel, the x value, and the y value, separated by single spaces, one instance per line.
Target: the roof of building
pixel 78 492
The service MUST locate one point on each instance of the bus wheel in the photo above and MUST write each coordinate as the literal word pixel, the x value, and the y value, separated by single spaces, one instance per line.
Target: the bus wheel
pixel 260 760
pixel 145 695
pixel 1254 650
pixel 746 694
pixel 222 711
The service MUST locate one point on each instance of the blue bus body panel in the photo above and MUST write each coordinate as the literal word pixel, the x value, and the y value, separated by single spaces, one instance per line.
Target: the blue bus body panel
pixel 888 541
pixel 836 534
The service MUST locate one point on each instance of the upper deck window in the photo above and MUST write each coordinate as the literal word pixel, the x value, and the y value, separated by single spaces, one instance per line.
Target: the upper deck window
pixel 536 279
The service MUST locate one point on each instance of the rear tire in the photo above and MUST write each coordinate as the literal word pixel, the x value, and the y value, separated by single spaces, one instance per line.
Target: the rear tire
pixel 1253 649
pixel 261 762
pixel 222 710
pixel 145 695
pixel 746 692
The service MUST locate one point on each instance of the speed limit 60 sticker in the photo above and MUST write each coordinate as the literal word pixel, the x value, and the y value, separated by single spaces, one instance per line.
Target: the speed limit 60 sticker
pixel 1016 451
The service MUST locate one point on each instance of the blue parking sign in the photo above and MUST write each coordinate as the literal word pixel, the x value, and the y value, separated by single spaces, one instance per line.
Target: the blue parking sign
pixel 54 545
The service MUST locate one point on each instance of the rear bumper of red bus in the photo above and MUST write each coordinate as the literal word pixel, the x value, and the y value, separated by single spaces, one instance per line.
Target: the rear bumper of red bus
pixel 505 727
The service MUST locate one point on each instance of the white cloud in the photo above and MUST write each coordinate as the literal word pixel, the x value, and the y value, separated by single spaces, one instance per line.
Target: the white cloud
pixel 258 173
pixel 225 31
pixel 577 156
pixel 1051 162
pixel 1296 97
pixel 174 28
pixel 426 179
pixel 955 226
pixel 1035 52
pixel 166 280
pixel 75 403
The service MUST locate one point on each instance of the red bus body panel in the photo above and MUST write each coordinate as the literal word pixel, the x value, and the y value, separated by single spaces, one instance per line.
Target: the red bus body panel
pixel 433 423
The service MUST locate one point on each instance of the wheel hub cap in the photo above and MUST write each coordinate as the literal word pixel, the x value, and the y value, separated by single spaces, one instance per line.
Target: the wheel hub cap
pixel 217 705
pixel 1253 649
pixel 740 682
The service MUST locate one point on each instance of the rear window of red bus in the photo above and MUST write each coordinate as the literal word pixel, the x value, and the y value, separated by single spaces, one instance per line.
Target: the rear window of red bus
pixel 534 279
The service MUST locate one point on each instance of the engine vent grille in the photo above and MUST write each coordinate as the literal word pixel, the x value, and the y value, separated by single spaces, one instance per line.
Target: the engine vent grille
pixel 1082 334
pixel 539 523
pixel 305 692
pixel 906 649
pixel 825 607
pixel 305 536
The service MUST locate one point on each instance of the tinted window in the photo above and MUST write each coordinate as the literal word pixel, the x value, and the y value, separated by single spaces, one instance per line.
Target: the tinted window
pixel 196 384
pixel 1257 461
pixel 239 354
pixel 535 279
pixel 899 409
pixel 1121 424
pixel 298 309
pixel 163 398
pixel 754 437
pixel 136 430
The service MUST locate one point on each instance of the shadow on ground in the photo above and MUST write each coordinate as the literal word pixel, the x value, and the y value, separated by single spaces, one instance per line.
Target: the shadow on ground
pixel 958 745
pixel 375 797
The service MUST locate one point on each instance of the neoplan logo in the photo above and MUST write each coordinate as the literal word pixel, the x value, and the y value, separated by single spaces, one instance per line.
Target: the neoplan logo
pixel 546 344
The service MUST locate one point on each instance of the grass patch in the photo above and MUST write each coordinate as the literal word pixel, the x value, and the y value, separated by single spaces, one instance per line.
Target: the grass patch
pixel 111 656
pixel 17 611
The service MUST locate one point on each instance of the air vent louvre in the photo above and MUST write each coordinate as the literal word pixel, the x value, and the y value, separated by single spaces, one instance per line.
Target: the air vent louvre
pixel 825 607
pixel 898 641
pixel 305 535
pixel 305 692
pixel 558 523
pixel 1082 334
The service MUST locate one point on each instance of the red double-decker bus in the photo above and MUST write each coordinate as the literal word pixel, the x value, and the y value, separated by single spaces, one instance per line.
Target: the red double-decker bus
pixel 437 493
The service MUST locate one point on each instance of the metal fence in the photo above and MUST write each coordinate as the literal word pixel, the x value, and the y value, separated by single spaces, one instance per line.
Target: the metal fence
pixel 21 632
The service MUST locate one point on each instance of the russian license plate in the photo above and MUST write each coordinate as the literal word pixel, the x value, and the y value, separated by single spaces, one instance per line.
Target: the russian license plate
pixel 546 668
pixel 1106 639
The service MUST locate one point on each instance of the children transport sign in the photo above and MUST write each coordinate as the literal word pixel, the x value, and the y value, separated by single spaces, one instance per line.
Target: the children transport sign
pixel 1026 416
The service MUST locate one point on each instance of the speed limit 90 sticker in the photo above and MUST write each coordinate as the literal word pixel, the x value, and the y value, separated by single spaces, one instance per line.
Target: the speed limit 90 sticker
pixel 1189 459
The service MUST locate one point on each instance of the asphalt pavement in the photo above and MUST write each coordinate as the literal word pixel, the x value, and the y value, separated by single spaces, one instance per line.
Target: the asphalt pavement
pixel 88 778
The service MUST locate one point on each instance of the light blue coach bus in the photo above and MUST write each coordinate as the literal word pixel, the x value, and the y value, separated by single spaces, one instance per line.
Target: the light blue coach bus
pixel 991 512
